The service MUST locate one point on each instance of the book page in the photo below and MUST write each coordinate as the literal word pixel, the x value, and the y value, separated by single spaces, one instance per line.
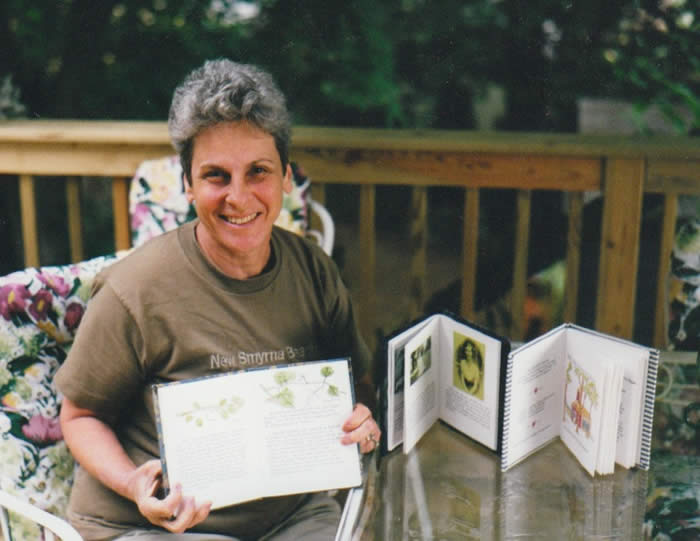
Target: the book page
pixel 585 387
pixel 396 359
pixel 633 359
pixel 421 385
pixel 259 433
pixel 535 406
pixel 470 376
pixel 395 395
pixel 610 415
pixel 630 420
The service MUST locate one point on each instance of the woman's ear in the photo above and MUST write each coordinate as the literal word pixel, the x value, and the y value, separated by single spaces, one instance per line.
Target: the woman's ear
pixel 188 191
pixel 288 180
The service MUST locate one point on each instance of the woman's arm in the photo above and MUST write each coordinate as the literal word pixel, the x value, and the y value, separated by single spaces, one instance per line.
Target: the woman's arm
pixel 95 446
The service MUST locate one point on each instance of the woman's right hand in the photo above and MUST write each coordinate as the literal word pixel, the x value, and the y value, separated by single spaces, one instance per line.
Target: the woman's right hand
pixel 95 446
pixel 176 512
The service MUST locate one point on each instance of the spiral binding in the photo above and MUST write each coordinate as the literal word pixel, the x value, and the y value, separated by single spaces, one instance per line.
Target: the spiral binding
pixel 506 414
pixel 648 419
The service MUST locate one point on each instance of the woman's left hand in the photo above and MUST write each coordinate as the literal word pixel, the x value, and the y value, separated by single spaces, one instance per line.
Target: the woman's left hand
pixel 361 428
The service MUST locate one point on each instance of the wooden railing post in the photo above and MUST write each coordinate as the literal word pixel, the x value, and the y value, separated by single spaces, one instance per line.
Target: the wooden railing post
pixel 623 187
pixel 367 304
pixel 30 236
pixel 573 256
pixel 419 257
pixel 522 246
pixel 120 207
pixel 75 232
pixel 668 230
pixel 470 251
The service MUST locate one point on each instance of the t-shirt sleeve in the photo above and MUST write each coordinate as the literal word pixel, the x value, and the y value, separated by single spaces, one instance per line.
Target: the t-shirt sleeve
pixel 102 371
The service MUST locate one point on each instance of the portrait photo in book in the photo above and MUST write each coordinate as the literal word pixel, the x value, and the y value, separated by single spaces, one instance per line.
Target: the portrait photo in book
pixel 421 360
pixel 469 365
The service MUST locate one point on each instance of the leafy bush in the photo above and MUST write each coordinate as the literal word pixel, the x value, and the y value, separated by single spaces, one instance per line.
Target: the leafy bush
pixel 655 55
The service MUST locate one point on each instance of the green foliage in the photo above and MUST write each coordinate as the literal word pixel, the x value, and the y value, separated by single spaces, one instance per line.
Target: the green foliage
pixel 395 63
pixel 654 52
pixel 10 103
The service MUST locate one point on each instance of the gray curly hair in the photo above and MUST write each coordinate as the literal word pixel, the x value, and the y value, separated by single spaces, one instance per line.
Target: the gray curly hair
pixel 225 91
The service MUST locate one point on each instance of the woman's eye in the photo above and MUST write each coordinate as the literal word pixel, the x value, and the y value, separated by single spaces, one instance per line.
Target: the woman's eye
pixel 214 176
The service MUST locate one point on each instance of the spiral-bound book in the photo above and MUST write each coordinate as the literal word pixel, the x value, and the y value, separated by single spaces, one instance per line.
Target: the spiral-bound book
pixel 258 433
pixel 593 391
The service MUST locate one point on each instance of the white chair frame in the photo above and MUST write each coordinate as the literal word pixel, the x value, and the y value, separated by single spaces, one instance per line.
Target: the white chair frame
pixel 325 238
pixel 52 526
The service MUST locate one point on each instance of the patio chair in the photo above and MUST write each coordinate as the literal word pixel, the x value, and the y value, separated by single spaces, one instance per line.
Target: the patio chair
pixel 157 203
pixel 40 310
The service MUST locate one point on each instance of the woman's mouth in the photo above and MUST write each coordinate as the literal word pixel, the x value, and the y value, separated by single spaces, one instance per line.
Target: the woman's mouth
pixel 242 220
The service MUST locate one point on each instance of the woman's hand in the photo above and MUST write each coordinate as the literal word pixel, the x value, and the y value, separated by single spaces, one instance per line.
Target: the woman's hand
pixel 176 513
pixel 361 428
pixel 95 446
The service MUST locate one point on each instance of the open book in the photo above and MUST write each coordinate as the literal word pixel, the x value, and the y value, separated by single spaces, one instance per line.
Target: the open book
pixel 593 391
pixel 442 367
pixel 259 433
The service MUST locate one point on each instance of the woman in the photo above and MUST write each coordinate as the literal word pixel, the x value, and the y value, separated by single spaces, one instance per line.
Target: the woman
pixel 200 300
pixel 469 365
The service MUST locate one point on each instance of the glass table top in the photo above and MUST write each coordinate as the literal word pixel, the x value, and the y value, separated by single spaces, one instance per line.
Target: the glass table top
pixel 449 487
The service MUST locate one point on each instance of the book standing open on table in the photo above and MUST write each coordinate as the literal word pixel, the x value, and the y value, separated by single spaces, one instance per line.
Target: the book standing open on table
pixel 594 391
pixel 443 367
pixel 258 433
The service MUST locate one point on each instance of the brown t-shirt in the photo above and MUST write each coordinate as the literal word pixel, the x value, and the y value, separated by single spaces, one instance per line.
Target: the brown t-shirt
pixel 165 313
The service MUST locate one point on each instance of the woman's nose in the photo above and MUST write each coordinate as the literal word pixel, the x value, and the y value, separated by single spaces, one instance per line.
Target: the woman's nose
pixel 237 192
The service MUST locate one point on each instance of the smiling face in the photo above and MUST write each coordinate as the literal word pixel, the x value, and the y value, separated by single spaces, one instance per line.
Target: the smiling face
pixel 237 183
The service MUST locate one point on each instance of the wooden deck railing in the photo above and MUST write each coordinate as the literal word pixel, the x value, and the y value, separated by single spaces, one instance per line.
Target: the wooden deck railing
pixel 623 168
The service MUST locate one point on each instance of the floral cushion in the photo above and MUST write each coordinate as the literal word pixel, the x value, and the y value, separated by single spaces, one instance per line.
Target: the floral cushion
pixel 40 310
pixel 157 200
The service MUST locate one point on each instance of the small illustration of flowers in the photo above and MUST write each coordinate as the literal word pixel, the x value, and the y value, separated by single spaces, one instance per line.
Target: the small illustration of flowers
pixel 224 408
pixel 283 395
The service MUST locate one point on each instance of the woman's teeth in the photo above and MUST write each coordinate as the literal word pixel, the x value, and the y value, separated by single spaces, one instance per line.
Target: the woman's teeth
pixel 240 221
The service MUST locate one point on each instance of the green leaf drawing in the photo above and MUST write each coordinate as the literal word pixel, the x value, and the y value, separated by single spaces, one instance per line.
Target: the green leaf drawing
pixel 284 376
pixel 224 408
pixel 284 398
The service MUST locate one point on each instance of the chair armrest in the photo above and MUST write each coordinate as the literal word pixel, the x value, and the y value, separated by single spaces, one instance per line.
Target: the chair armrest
pixel 326 239
pixel 52 523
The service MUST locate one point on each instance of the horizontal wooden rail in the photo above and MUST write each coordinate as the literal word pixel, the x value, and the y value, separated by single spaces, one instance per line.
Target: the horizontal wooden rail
pixel 621 168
